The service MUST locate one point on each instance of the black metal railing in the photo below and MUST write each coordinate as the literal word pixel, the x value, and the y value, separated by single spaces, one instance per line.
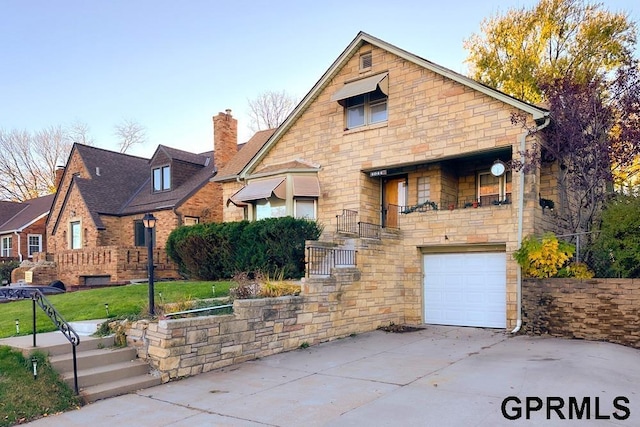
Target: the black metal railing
pixel 347 221
pixel 37 297
pixel 368 230
pixel 321 260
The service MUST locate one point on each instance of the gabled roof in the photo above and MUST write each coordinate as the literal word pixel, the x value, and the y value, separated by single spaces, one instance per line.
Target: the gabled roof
pixel 352 49
pixel 120 184
pixel 244 155
pixel 184 156
pixel 18 216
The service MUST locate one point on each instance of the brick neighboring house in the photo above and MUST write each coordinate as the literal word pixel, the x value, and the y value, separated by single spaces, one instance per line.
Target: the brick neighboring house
pixel 22 228
pixel 95 231
pixel 406 162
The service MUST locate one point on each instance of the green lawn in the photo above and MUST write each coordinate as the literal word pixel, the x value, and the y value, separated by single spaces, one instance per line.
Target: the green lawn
pixel 129 300
pixel 23 397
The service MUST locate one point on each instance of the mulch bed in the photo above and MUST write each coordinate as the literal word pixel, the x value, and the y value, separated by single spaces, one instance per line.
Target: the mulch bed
pixel 399 328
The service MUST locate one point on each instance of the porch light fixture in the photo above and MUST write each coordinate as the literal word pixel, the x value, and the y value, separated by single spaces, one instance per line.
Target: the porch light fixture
pixel 498 168
pixel 149 222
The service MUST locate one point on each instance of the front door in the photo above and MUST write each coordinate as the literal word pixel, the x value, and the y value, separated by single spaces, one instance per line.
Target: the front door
pixel 394 196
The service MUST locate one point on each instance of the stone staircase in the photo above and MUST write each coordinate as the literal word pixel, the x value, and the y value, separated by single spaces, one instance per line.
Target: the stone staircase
pixel 103 369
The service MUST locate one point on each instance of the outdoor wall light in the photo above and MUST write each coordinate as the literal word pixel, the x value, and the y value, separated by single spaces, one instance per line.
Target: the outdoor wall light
pixel 149 222
pixel 34 364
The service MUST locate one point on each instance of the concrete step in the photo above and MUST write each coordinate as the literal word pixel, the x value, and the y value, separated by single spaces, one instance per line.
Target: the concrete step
pixel 86 344
pixel 55 343
pixel 107 373
pixel 92 358
pixel 117 388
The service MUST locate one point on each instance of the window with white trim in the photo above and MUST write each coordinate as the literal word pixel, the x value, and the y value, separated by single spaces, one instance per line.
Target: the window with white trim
pixel 35 244
pixel 161 178
pixel 75 235
pixel 191 220
pixel 6 247
pixel 366 109
pixel 305 208
pixel 272 207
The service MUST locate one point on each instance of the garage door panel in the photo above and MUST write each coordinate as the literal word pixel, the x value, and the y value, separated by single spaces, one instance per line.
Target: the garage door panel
pixel 465 289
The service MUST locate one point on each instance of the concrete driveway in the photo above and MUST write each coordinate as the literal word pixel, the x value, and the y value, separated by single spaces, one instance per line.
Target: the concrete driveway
pixel 438 376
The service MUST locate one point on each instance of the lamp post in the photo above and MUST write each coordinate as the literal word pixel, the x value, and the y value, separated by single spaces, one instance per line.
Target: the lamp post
pixel 149 222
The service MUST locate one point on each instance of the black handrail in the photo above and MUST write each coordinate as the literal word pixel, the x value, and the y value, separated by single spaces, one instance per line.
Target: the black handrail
pixel 37 297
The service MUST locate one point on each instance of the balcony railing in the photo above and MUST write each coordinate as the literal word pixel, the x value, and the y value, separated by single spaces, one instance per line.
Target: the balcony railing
pixel 347 222
pixel 321 260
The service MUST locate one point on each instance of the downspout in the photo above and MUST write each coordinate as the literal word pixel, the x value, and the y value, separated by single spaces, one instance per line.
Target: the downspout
pixel 523 139
pixel 19 245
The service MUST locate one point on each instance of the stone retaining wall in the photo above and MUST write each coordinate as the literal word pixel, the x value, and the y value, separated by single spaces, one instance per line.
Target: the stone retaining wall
pixel 328 308
pixel 595 309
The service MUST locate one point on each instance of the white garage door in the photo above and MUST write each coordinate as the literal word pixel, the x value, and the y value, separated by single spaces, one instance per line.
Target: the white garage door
pixel 465 289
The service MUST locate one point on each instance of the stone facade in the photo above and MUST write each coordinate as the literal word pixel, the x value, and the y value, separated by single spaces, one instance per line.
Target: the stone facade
pixel 327 309
pixel 437 128
pixel 595 309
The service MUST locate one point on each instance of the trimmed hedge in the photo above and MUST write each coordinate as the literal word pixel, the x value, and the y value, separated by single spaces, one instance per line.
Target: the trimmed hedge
pixel 220 250
pixel 6 268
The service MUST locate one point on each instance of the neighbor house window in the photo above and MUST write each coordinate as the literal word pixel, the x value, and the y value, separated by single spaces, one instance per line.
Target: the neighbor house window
pixel 75 235
pixel 305 208
pixel 140 234
pixel 270 208
pixel 35 244
pixel 6 247
pixel 494 189
pixel 162 178
pixel 366 109
pixel 191 220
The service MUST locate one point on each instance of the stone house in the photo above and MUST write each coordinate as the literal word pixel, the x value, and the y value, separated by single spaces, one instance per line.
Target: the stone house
pixel 407 163
pixel 95 231
pixel 22 228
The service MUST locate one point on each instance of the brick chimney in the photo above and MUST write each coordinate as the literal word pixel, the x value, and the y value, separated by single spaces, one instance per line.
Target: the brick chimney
pixel 58 177
pixel 225 138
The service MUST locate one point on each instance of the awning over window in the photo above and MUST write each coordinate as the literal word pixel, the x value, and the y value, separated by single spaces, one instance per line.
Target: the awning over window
pixel 362 86
pixel 306 186
pixel 260 190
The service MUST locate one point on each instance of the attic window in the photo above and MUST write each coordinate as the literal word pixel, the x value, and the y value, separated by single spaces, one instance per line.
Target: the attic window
pixel 161 178
pixel 366 61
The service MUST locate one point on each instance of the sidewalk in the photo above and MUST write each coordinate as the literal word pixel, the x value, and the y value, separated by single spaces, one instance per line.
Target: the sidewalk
pixel 441 376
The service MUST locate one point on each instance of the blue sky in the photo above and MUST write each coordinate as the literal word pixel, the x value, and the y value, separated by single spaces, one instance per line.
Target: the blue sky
pixel 172 65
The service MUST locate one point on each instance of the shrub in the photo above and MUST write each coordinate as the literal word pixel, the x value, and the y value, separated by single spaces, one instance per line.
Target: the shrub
pixel 216 251
pixel 6 268
pixel 616 249
pixel 548 257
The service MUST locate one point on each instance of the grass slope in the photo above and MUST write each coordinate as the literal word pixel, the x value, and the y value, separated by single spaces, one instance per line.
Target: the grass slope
pixel 23 398
pixel 129 300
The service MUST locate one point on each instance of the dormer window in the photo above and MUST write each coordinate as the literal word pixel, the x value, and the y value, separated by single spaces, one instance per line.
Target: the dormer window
pixel 161 178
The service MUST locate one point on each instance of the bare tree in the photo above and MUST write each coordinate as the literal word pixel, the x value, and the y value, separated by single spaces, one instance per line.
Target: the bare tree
pixel 269 109
pixel 129 132
pixel 79 132
pixel 28 161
